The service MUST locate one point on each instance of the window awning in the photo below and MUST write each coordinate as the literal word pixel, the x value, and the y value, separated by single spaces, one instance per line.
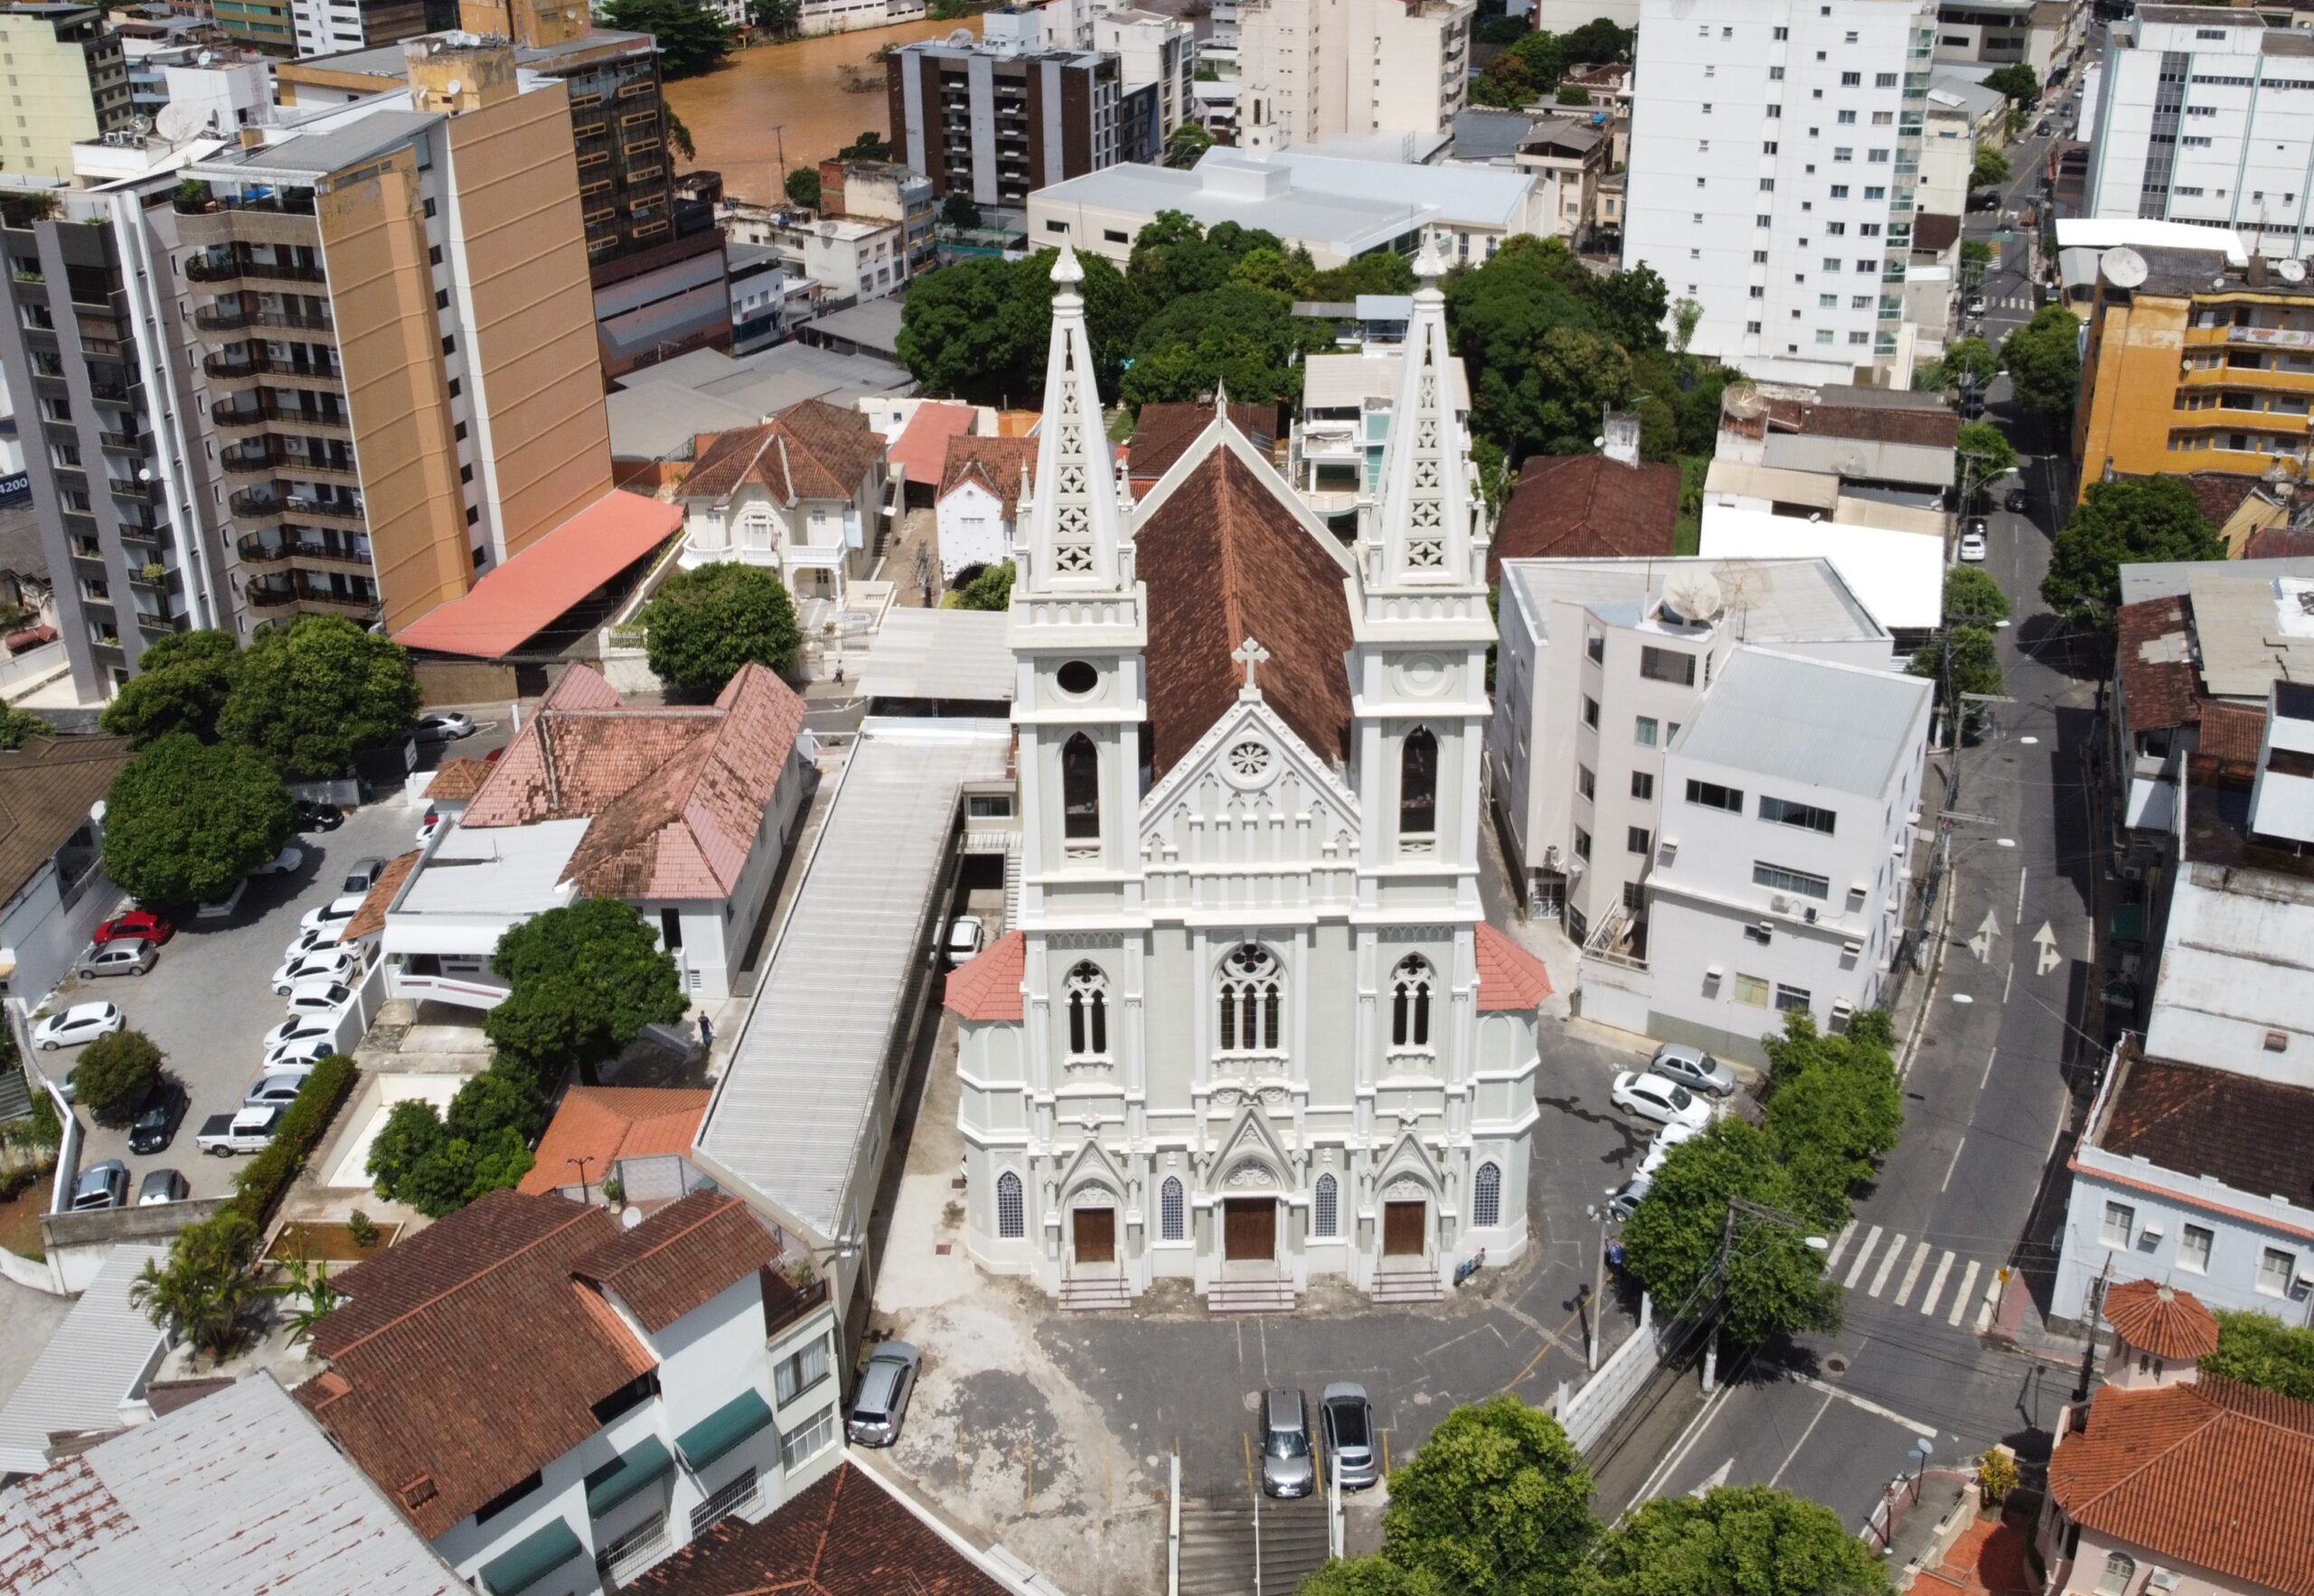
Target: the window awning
pixel 621 1478
pixel 533 1558
pixel 723 1429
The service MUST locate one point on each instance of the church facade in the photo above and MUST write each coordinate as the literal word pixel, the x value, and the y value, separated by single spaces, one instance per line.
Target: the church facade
pixel 1250 1027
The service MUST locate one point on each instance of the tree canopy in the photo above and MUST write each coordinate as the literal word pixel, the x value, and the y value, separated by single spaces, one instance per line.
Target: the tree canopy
pixel 1834 1105
pixel 1749 1539
pixel 186 820
pixel 1187 145
pixel 801 186
pixel 2261 1350
pixel 692 39
pixel 871 146
pixel 1985 453
pixel 959 210
pixel 438 1163
pixel 182 683
pixel 1234 333
pixel 114 1075
pixel 1991 167
pixel 315 692
pixel 2043 360
pixel 1972 595
pixel 1973 358
pixel 991 590
pixel 585 981
pixel 1496 1502
pixel 209 1284
pixel 2127 522
pixel 704 623
pixel 2016 80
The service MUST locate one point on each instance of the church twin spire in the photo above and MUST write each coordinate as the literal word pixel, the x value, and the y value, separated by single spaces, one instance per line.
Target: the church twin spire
pixel 1426 526
pixel 1073 534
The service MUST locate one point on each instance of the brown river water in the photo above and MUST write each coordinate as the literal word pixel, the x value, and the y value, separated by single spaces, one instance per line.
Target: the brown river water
pixel 792 97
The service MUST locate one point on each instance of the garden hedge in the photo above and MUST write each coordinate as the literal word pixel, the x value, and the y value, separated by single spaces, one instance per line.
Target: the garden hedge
pixel 303 1122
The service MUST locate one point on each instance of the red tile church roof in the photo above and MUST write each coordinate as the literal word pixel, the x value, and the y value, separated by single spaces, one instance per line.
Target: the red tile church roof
pixel 988 985
pixel 1511 978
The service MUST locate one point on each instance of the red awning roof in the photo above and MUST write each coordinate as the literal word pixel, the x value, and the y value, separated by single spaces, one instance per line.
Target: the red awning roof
pixel 522 597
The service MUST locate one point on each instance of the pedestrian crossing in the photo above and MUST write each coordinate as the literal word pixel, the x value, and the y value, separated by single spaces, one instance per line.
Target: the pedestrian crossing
pixel 1909 1272
pixel 2009 302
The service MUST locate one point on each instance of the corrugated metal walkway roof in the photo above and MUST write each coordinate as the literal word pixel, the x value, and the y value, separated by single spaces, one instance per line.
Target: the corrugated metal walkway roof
pixel 99 1353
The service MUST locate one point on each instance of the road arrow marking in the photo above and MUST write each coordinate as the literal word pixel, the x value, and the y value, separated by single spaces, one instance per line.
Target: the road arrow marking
pixel 1981 944
pixel 1715 1479
pixel 2045 940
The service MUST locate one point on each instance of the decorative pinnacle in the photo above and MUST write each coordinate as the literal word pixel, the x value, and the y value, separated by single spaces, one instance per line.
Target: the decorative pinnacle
pixel 1068 269
pixel 1430 261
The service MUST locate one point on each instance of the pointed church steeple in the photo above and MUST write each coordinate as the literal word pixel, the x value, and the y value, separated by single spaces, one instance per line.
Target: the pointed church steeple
pixel 1427 526
pixel 1072 536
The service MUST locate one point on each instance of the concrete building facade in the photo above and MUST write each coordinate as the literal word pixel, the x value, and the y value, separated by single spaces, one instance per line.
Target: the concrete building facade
pixel 68 81
pixel 1310 70
pixel 997 118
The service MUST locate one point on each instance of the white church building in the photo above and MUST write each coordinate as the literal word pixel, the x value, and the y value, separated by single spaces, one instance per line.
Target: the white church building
pixel 1250 1026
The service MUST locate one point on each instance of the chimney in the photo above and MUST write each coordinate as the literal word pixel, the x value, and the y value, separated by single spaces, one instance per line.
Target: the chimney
pixel 1619 432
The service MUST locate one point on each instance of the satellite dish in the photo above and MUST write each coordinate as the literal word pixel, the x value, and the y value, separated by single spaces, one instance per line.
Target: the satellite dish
pixel 2291 271
pixel 2123 267
pixel 453 86
pixel 629 1217
pixel 1742 400
pixel 179 121
pixel 1692 597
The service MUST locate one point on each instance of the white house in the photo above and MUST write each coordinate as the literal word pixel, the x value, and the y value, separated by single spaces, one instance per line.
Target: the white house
pixel 982 480
pixel 557 1404
pixel 682 810
pixel 1251 1028
pixel 803 493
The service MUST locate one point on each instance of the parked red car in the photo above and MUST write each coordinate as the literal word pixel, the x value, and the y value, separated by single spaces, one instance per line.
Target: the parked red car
pixel 142 923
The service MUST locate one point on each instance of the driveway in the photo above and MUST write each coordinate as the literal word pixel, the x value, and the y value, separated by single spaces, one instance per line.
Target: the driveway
pixel 210 999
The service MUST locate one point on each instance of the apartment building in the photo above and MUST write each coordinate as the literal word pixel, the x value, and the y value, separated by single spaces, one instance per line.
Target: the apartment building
pixel 842 16
pixel 268 24
pixel 2201 116
pixel 654 261
pixel 1775 153
pixel 1309 69
pixel 998 118
pixel 2037 33
pixel 326 27
pixel 884 192
pixel 1152 47
pixel 68 81
pixel 2196 360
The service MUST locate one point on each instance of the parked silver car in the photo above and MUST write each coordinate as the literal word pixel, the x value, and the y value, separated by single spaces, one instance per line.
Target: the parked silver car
pixel 125 955
pixel 1346 1423
pixel 879 1406
pixel 101 1185
pixel 1286 1468
pixel 1693 1069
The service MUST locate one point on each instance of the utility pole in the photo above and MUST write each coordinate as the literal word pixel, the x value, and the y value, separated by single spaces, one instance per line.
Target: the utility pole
pixel 582 1163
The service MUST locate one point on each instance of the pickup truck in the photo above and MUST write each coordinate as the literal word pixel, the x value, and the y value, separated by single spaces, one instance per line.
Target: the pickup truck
pixel 223 1135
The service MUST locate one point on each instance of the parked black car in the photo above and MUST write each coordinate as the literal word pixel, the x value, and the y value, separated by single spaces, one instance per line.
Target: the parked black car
pixel 156 1122
pixel 2018 501
pixel 319 817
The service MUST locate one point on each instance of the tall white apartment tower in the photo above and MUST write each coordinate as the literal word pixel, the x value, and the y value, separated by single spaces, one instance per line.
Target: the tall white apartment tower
pixel 1318 69
pixel 2207 117
pixel 1774 154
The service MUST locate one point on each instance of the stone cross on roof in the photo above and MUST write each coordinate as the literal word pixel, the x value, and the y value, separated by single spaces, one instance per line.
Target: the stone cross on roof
pixel 1249 655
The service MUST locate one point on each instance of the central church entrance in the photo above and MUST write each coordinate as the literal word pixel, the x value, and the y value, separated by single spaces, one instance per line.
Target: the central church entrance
pixel 1248 1228
pixel 1404 1228
pixel 1095 1234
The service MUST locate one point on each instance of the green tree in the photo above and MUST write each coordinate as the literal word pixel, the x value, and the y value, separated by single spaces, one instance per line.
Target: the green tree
pixel 871 146
pixel 1572 94
pixel 114 1075
pixel 1835 1105
pixel 959 211
pixel 1984 454
pixel 1187 145
pixel 1372 1575
pixel 206 1289
pixel 1772 1281
pixel 1991 169
pixel 1496 1502
pixel 1973 358
pixel 2017 80
pixel 307 1283
pixel 1504 30
pixel 2043 360
pixel 1378 271
pixel 692 39
pixel 779 19
pixel 981 329
pixel 182 683
pixel 801 186
pixel 186 820
pixel 585 981
pixel 679 139
pixel 704 623
pixel 315 692
pixel 1244 336
pixel 1173 255
pixel 1962 661
pixel 991 590
pixel 493 1101
pixel 1506 84
pixel 19 726
pixel 1600 42
pixel 2127 522
pixel 2263 1351
pixel 1752 1539
pixel 413 1128
pixel 1275 270
pixel 1972 596
pixel 1685 314
pixel 437 1166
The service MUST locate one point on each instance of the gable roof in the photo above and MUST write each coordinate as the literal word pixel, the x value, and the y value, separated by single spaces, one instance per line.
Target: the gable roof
pixel 681 1257
pixel 924 442
pixel 1511 978
pixel 459 778
pixel 677 793
pixel 996 463
pixel 1225 559
pixel 2254 1136
pixel 1586 506
pixel 812 450
pixel 845 1535
pixel 2232 732
pixel 370 918
pixel 482 1300
pixel 2278 543
pixel 987 986
pixel 2171 1324
pixel 602 1124
pixel 1165 429
pixel 2209 1471
pixel 2154 650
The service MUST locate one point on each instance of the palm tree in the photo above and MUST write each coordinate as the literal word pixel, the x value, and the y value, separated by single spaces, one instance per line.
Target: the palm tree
pixel 310 1283
pixel 204 1291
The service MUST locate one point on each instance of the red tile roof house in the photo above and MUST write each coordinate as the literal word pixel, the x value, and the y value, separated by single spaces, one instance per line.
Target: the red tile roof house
pixel 980 481
pixel 558 1402
pixel 682 810
pixel 803 493
pixel 2174 1482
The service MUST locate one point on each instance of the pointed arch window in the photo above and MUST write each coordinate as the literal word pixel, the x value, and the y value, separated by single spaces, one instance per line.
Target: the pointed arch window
pixel 1012 1217
pixel 1325 1208
pixel 1486 1197
pixel 1172 1214
pixel 1410 985
pixel 1418 784
pixel 1088 1011
pixel 1252 998
pixel 1081 788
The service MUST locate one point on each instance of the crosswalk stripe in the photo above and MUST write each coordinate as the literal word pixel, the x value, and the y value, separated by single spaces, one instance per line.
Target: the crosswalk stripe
pixel 1936 1283
pixel 1961 1297
pixel 1863 1256
pixel 1887 1262
pixel 1839 1245
pixel 1911 1274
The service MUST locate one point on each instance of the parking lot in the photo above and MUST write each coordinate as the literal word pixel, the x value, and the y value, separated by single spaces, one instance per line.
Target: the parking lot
pixel 210 998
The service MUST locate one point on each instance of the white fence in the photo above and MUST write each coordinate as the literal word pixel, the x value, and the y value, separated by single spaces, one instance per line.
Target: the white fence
pixel 1586 1413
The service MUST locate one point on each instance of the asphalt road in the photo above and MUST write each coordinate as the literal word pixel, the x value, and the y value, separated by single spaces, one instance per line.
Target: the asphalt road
pixel 1988 1096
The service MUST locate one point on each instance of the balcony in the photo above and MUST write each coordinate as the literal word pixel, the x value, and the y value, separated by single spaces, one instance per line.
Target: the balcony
pixel 239 267
pixel 252 457
pixel 263 218
pixel 268 503
pixel 255 550
pixel 234 322
pixel 256 365
pixel 264 597
pixel 349 556
pixel 313 596
pixel 272 411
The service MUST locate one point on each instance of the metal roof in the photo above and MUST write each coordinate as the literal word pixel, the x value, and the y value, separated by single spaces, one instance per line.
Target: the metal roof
pixel 788 1115
pixel 239 1494
pixel 97 1359
pixel 958 655
pixel 1898 575
pixel 1329 381
pixel 1783 600
pixel 1810 721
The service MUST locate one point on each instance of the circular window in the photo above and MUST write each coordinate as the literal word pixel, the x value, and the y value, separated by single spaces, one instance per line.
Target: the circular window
pixel 1249 761
pixel 1077 677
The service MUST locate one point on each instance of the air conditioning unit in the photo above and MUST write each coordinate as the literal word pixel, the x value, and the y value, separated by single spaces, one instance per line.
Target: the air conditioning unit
pixel 1780 903
pixel 2162 1579
pixel 1767 929
pixel 1809 914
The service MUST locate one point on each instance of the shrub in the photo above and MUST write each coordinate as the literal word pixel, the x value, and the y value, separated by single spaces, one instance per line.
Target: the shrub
pixel 362 1229
pixel 114 1075
pixel 1996 1475
pixel 260 1183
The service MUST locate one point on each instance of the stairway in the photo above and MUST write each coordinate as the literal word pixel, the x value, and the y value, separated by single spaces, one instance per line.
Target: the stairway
pixel 1250 1296
pixel 1417 1284
pixel 1095 1293
pixel 1294 1543
pixel 1217 1547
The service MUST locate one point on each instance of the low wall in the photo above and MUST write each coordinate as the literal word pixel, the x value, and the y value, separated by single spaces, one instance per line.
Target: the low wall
pixel 78 1243
pixel 33 666
pixel 1586 1413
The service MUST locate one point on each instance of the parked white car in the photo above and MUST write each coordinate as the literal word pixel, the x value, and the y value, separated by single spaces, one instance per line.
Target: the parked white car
pixel 288 861
pixel 83 1022
pixel 964 936
pixel 1652 1097
pixel 301 1054
pixel 319 997
pixel 306 942
pixel 297 1028
pixel 334 964
pixel 332 915
pixel 1668 1138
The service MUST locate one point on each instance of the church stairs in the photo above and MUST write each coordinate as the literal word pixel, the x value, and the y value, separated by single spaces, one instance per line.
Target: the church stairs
pixel 1250 1296
pixel 1417 1283
pixel 1095 1293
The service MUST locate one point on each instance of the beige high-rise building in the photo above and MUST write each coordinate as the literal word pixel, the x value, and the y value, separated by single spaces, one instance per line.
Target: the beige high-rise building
pixel 1310 70
pixel 67 81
